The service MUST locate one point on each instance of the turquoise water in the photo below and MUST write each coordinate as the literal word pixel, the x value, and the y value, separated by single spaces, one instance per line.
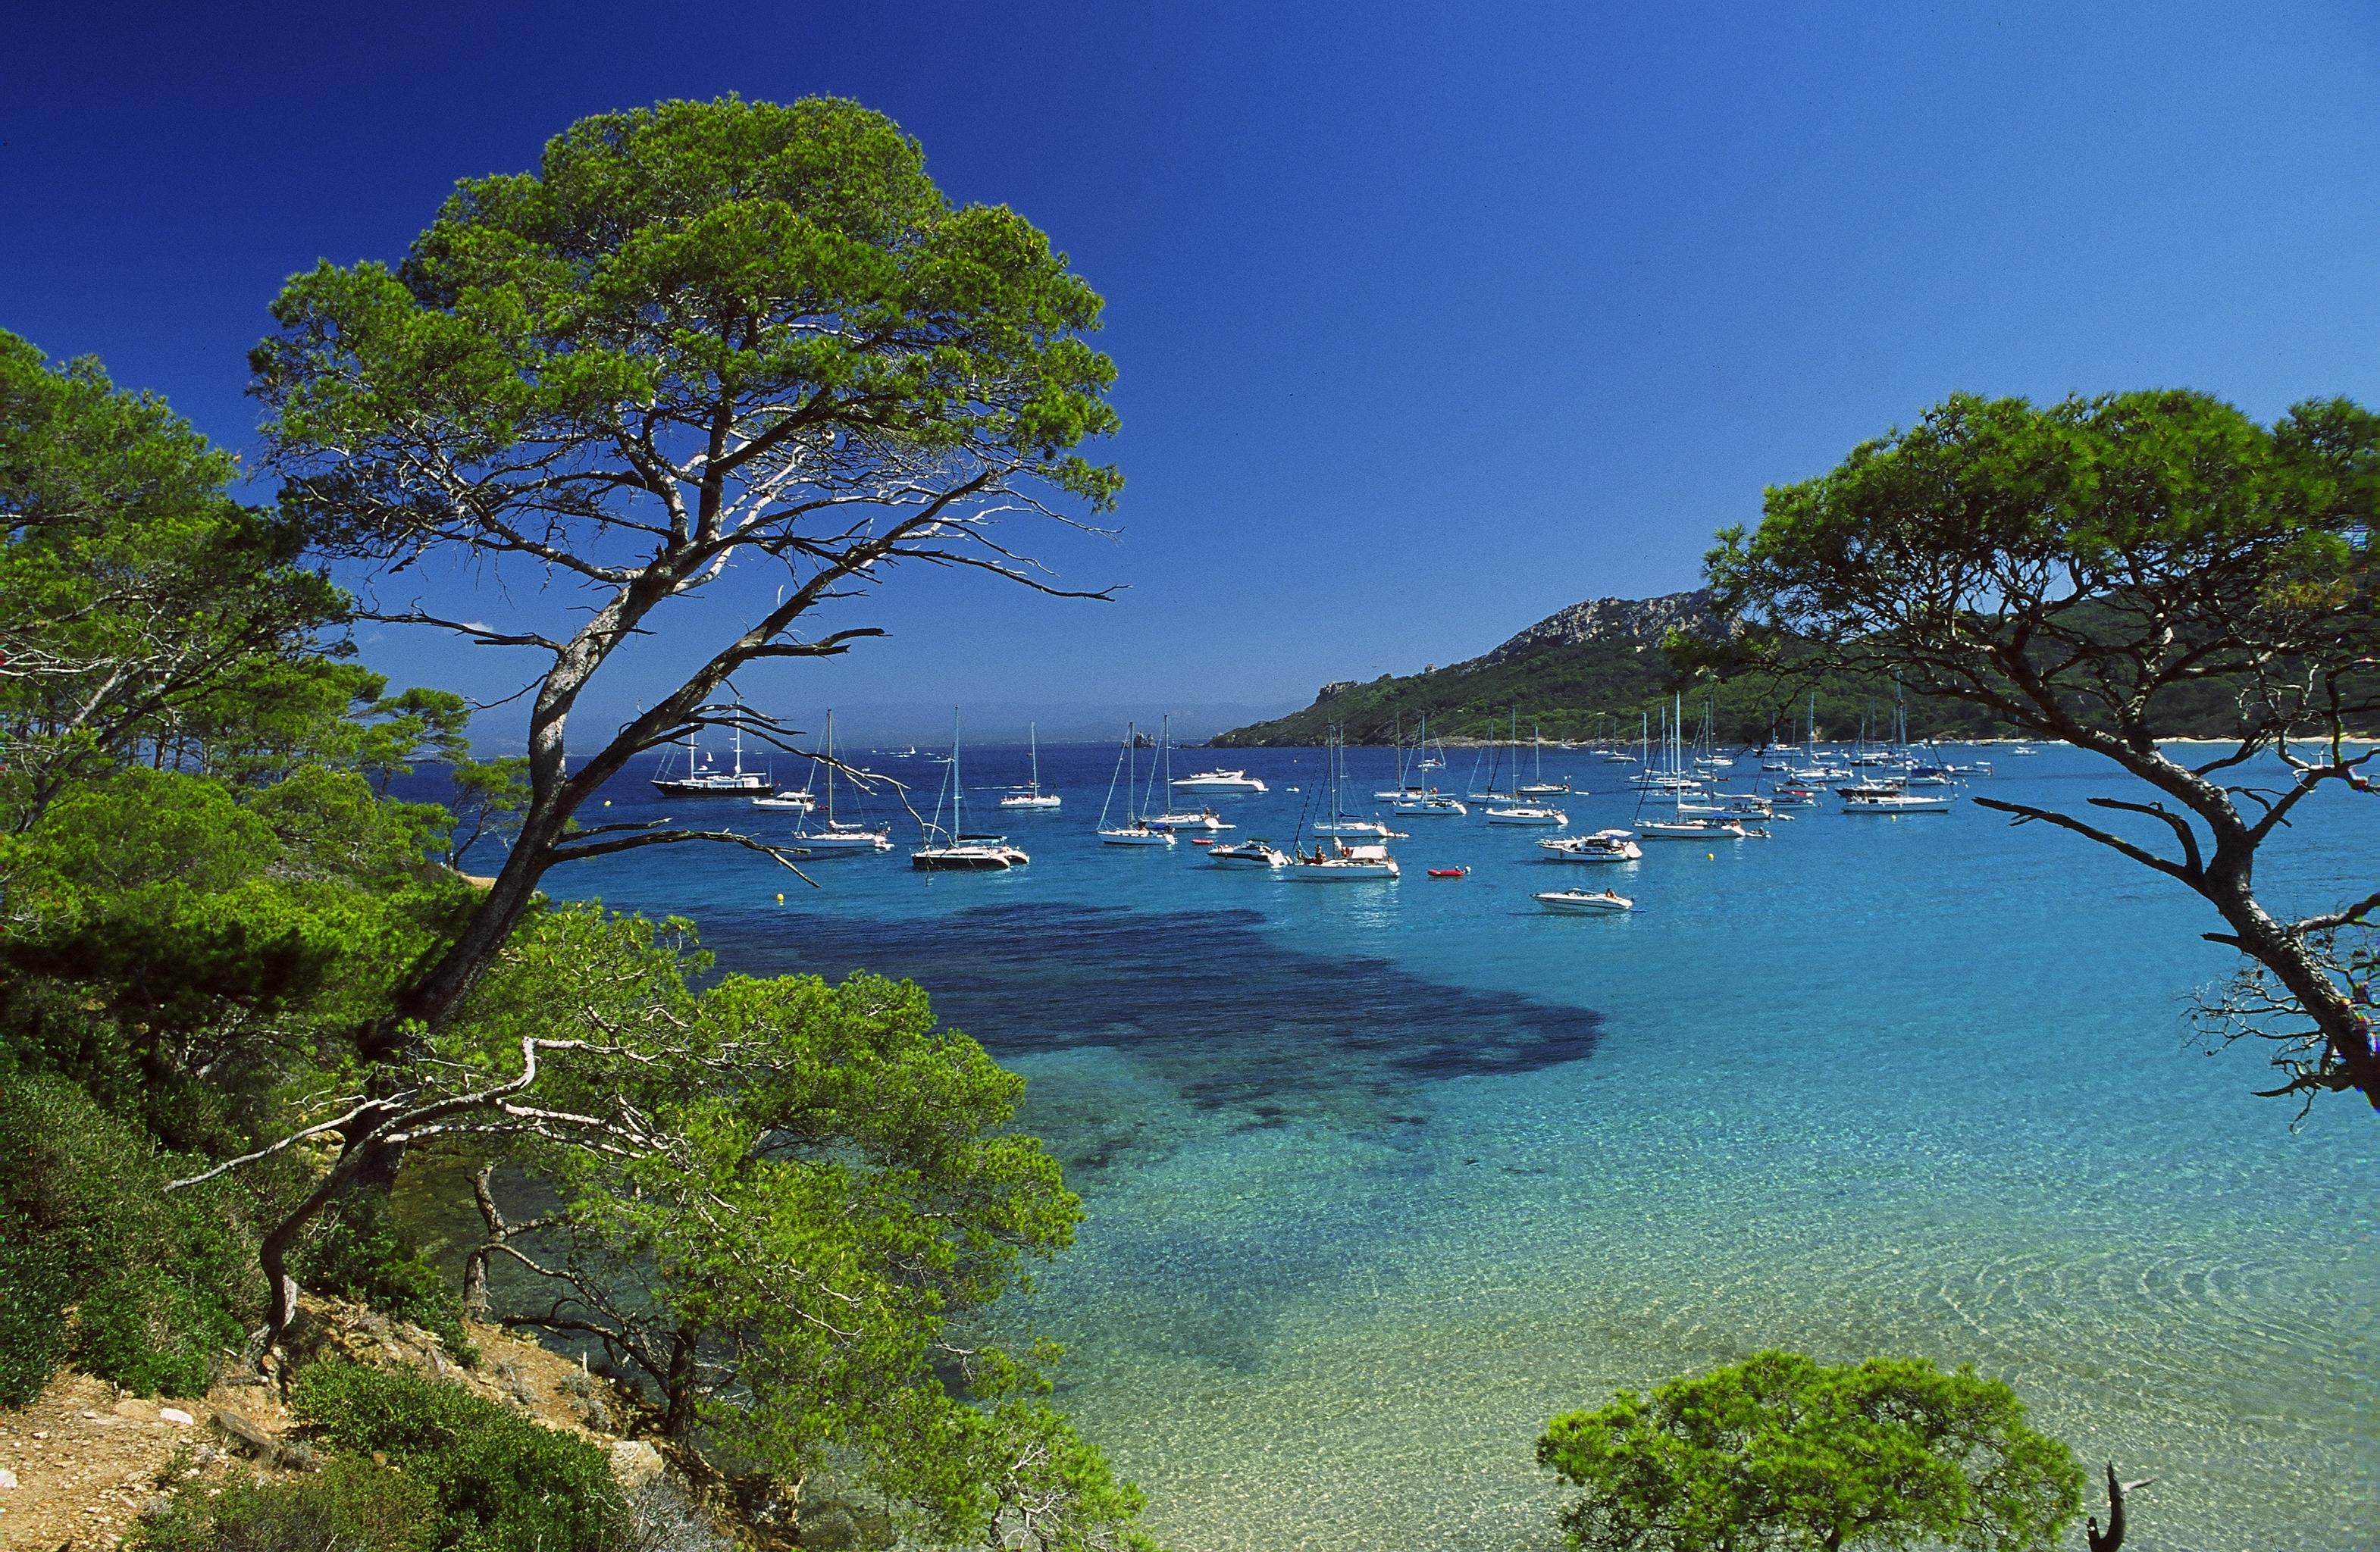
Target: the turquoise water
pixel 1381 1176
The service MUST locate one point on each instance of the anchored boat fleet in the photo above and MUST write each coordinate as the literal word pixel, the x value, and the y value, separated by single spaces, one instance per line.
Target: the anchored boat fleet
pixel 1681 797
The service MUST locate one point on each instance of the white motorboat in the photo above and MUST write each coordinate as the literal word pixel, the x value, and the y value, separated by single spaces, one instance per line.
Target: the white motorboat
pixel 840 835
pixel 1604 845
pixel 1373 828
pixel 1032 797
pixel 1529 813
pixel 1206 818
pixel 798 802
pixel 1429 807
pixel 1896 803
pixel 1341 863
pixel 1585 901
pixel 1220 781
pixel 958 852
pixel 2024 749
pixel 1247 853
pixel 1691 830
pixel 704 780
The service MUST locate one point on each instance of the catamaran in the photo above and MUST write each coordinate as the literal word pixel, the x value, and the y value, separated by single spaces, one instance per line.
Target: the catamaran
pixel 959 851
pixel 1134 832
pixel 703 780
pixel 840 835
pixel 1032 796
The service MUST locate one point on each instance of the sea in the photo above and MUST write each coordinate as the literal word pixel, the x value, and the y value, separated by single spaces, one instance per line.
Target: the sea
pixel 1380 1177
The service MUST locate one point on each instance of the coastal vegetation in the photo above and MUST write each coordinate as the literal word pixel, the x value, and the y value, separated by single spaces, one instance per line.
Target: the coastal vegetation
pixel 2075 572
pixel 256 1026
pixel 1779 1452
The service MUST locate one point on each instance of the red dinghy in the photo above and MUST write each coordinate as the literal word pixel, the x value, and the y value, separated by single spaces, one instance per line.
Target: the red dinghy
pixel 1202 839
pixel 1448 872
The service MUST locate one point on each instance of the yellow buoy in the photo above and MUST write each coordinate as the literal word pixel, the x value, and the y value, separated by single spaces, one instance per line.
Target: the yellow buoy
pixel 607 803
pixel 780 898
pixel 1710 857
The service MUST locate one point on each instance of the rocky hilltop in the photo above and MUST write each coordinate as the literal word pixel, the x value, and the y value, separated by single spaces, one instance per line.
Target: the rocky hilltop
pixel 1642 622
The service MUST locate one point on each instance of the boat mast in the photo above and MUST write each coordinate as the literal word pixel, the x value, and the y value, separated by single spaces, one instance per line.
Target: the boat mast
pixel 830 768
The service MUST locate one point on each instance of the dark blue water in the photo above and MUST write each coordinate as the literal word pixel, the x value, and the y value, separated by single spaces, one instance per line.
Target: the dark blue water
pixel 1381 1176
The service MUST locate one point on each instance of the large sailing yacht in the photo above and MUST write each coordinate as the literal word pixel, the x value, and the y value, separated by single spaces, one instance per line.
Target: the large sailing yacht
pixel 704 780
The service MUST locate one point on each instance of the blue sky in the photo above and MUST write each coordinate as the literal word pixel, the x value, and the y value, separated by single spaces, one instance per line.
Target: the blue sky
pixel 1430 319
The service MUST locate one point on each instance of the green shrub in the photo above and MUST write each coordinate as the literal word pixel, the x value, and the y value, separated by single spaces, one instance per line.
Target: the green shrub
pixel 351 1505
pixel 356 1251
pixel 502 1484
pixel 35 1290
pixel 165 1283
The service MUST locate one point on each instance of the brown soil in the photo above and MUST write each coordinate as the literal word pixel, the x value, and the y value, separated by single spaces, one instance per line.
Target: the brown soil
pixel 87 1459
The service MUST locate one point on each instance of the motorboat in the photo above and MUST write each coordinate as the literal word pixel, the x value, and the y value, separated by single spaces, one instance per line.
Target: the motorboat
pixel 1352 826
pixel 1529 813
pixel 1221 781
pixel 2021 750
pixel 1928 776
pixel 1896 803
pixel 1341 863
pixel 1032 799
pixel 1604 845
pixel 1135 835
pixel 1206 818
pixel 1691 830
pixel 1431 807
pixel 1247 853
pixel 799 802
pixel 1583 902
pixel 1449 872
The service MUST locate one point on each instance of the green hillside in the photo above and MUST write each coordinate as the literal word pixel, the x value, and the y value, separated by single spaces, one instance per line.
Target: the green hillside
pixel 1590 688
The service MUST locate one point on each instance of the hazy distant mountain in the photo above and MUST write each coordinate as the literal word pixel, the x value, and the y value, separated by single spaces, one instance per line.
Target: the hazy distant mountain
pixel 876 724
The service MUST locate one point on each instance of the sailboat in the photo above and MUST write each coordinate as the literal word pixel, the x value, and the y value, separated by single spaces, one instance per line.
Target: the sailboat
pixel 1133 832
pixel 959 851
pixel 1517 813
pixel 1174 818
pixel 1032 796
pixel 840 835
pixel 1540 787
pixel 1337 820
pixel 1685 825
pixel 703 780
pixel 1333 860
